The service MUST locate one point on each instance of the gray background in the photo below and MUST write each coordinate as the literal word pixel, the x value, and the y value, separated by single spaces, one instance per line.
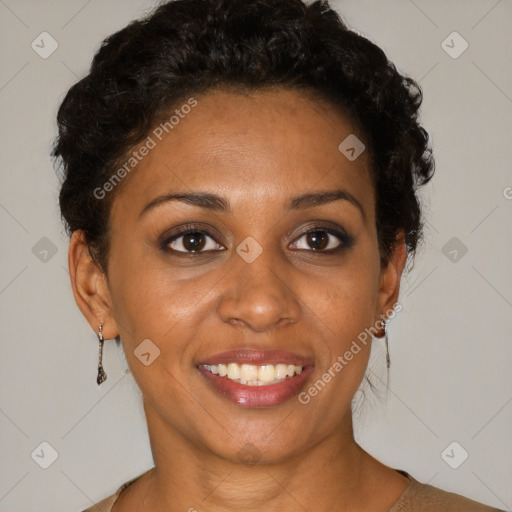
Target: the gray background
pixel 450 346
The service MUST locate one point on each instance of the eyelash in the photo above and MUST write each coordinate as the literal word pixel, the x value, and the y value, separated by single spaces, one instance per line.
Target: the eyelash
pixel 346 241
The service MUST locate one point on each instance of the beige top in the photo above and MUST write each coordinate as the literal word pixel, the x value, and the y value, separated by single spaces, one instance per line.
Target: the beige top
pixel 417 497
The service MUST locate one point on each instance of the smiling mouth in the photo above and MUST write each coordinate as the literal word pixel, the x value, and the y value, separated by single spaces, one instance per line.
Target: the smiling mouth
pixel 254 375
pixel 256 378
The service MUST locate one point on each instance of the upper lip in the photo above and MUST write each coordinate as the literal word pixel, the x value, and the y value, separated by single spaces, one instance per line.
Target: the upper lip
pixel 257 357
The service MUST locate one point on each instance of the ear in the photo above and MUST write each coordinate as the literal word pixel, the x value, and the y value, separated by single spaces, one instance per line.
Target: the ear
pixel 90 286
pixel 390 278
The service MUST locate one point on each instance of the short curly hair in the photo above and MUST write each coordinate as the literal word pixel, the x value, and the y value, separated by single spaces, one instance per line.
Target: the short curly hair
pixel 190 47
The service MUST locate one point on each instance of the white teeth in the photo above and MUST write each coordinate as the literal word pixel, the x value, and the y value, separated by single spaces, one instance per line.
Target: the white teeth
pixel 233 371
pixel 248 372
pixel 282 371
pixel 267 373
pixel 253 375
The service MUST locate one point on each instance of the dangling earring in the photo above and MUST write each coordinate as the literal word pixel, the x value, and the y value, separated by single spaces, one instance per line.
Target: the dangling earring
pixel 102 376
pixel 386 342
pixel 388 359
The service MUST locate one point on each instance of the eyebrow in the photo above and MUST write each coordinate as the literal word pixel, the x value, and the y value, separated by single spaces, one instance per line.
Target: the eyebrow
pixel 220 204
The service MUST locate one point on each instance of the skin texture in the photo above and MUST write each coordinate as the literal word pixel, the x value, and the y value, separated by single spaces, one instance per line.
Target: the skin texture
pixel 257 151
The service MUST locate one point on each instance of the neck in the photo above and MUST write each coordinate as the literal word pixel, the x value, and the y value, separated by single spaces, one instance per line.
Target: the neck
pixel 335 474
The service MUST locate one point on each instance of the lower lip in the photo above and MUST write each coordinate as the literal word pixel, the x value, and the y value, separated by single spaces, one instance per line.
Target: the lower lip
pixel 257 396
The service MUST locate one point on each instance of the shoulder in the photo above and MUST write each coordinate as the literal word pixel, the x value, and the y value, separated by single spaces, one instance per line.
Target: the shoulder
pixel 106 504
pixel 420 497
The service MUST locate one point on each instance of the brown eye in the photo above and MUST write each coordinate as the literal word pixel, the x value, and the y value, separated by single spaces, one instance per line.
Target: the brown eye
pixel 322 240
pixel 192 241
pixel 317 240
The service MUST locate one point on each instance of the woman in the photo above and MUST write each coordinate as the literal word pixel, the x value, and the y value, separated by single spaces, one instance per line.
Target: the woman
pixel 240 189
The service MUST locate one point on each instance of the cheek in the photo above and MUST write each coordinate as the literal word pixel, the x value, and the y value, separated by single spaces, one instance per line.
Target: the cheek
pixel 348 306
pixel 346 300
pixel 344 306
pixel 152 301
pixel 151 304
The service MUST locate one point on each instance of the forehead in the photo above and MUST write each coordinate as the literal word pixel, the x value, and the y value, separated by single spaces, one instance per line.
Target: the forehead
pixel 260 147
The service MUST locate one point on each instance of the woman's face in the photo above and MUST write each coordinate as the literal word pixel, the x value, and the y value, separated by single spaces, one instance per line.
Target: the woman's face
pixel 258 290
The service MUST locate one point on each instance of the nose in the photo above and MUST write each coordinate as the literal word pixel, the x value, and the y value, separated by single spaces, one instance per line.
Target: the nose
pixel 259 295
